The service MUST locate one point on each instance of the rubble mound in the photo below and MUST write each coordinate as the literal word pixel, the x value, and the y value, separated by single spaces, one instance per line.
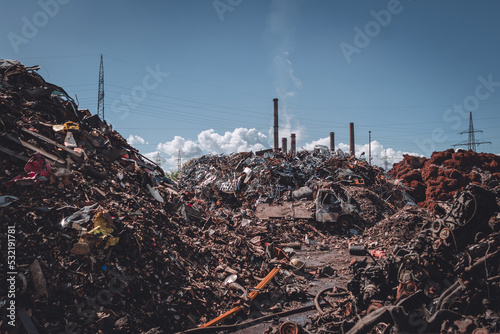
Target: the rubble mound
pixel 373 207
pixel 243 180
pixel 398 229
pixel 98 242
pixel 440 177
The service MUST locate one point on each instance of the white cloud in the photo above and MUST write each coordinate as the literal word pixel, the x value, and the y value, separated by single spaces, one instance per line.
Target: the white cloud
pixel 134 140
pixel 380 156
pixel 167 163
pixel 245 140
pixel 322 141
pixel 188 148
pixel 240 140
pixel 208 141
pixel 296 81
pixel 286 83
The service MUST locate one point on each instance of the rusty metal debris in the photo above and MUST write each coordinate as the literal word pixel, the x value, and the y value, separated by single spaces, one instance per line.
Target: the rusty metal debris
pixel 433 286
pixel 104 242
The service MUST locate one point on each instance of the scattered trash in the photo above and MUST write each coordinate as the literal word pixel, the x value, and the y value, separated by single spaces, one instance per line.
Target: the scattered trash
pixel 155 193
pixel 7 200
pixel 78 218
pixel 37 170
pixel 69 141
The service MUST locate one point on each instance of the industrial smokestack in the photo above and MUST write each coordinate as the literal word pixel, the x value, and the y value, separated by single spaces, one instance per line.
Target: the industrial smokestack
pixel 292 143
pixel 351 136
pixel 276 138
pixel 332 142
pixel 283 145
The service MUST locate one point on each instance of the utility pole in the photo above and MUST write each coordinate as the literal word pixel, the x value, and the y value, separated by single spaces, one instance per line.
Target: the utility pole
pixel 471 141
pixel 276 125
pixel 100 92
pixel 369 147
pixel 179 159
pixel 158 159
pixel 386 161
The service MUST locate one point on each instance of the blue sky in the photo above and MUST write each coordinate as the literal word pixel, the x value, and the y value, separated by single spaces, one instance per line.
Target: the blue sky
pixel 199 76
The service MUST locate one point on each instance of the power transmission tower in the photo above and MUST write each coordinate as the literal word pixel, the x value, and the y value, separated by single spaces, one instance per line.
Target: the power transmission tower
pixel 471 141
pixel 100 92
pixel 386 161
pixel 158 159
pixel 369 148
pixel 179 162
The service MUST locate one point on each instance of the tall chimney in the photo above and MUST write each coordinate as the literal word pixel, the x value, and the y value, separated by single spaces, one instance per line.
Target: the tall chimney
pixel 332 142
pixel 283 145
pixel 292 143
pixel 276 138
pixel 351 136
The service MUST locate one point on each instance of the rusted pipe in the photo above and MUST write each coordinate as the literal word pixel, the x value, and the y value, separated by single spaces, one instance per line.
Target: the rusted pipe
pixel 252 322
pixel 451 296
pixel 480 261
pixel 446 293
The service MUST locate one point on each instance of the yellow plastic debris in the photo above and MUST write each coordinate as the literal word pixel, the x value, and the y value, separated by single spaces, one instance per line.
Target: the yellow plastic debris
pixel 103 227
pixel 66 126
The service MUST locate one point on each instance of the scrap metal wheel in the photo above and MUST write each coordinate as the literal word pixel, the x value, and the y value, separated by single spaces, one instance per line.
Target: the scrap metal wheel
pixel 345 222
pixel 289 327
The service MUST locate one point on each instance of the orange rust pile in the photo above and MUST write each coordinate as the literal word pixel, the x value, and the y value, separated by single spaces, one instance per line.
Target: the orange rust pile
pixel 440 177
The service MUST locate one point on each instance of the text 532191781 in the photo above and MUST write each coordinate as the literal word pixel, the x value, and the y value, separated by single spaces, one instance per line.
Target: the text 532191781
pixel 11 248
pixel 11 275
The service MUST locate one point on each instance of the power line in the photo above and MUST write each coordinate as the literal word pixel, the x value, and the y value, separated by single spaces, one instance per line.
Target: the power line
pixel 192 101
pixel 194 80
pixel 60 56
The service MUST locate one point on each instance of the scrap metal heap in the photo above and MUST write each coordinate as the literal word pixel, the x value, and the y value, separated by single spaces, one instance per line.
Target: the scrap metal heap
pixel 104 242
pixel 436 179
pixel 242 181
pixel 446 280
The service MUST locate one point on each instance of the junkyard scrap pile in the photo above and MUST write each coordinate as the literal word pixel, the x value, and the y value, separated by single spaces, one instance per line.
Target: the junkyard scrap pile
pixel 105 242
